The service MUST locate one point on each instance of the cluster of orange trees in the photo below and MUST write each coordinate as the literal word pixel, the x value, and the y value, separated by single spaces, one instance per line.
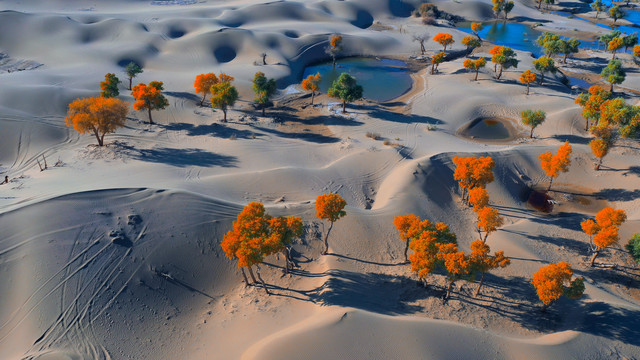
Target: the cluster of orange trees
pixel 603 232
pixel 434 246
pixel 104 114
pixel 610 119
pixel 256 234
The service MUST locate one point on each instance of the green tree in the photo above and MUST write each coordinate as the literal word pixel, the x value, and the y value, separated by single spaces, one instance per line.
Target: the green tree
pixel 109 86
pixel 613 73
pixel 598 6
pixel 606 38
pixel 543 65
pixel 346 89
pixel 616 13
pixel 533 118
pixel 505 57
pixel 551 43
pixel 630 41
pixel 223 95
pixel 634 247
pixel 132 69
pixel 568 47
pixel 264 89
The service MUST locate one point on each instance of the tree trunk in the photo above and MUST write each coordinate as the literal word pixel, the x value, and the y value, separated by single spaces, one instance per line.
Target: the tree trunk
pixel 541 78
pixel 130 81
pixel 433 68
pixel 593 258
pixel 531 134
pixel 586 128
pixel 495 67
pixel 244 275
pixel 479 285
pixel 597 12
pixel 479 233
pixel 406 250
pixel 598 164
pixel 150 118
pixel 313 96
pixel 264 60
pixel 527 88
pixel 224 111
pixel 286 260
pixel 446 296
pixel 344 106
pixel 253 277
pixel 263 109
pixel 477 71
pixel 262 282
pixel 500 73
pixel 422 48
pixel 611 88
pixel 544 307
pixel 326 240
pixel 539 4
pixel 95 132
pixel 550 182
pixel 333 58
pixel 486 235
pixel 101 142
pixel 204 97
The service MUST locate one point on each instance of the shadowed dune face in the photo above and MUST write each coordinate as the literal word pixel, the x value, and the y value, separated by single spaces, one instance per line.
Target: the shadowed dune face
pixel 91 275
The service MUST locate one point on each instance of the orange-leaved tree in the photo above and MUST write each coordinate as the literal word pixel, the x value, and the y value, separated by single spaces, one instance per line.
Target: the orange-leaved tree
pixel 472 172
pixel 97 115
pixel 504 57
pixel 408 227
pixel 444 39
pixel 149 97
pixel 603 232
pixel 471 42
pixel 436 60
pixel 203 84
pixel 256 234
pixel 475 65
pixel 455 262
pixel 475 28
pixel 330 207
pixel 478 197
pixel 246 241
pixel 591 102
pixel 554 280
pixel 553 165
pixel 312 83
pixel 489 220
pixel 614 45
pixel 334 48
pixel 481 261
pixel 282 232
pixel 425 244
pixel 527 78
pixel 600 148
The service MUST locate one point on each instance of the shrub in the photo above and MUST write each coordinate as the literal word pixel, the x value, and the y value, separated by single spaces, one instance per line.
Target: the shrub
pixel 634 247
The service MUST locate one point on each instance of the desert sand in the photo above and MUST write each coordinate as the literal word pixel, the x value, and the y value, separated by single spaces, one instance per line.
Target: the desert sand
pixel 170 191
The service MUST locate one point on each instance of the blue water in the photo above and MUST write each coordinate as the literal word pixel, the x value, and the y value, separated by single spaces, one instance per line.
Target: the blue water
pixel 514 35
pixel 382 79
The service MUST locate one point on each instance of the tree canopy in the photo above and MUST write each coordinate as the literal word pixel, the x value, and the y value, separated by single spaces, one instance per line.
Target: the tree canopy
pixel 97 115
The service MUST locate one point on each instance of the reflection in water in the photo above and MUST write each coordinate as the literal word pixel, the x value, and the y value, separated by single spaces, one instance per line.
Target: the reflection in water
pixel 382 79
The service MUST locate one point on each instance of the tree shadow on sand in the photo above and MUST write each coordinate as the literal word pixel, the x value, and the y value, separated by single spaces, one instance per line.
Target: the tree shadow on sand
pixel 181 157
pixel 380 293
pixel 615 323
pixel 215 129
